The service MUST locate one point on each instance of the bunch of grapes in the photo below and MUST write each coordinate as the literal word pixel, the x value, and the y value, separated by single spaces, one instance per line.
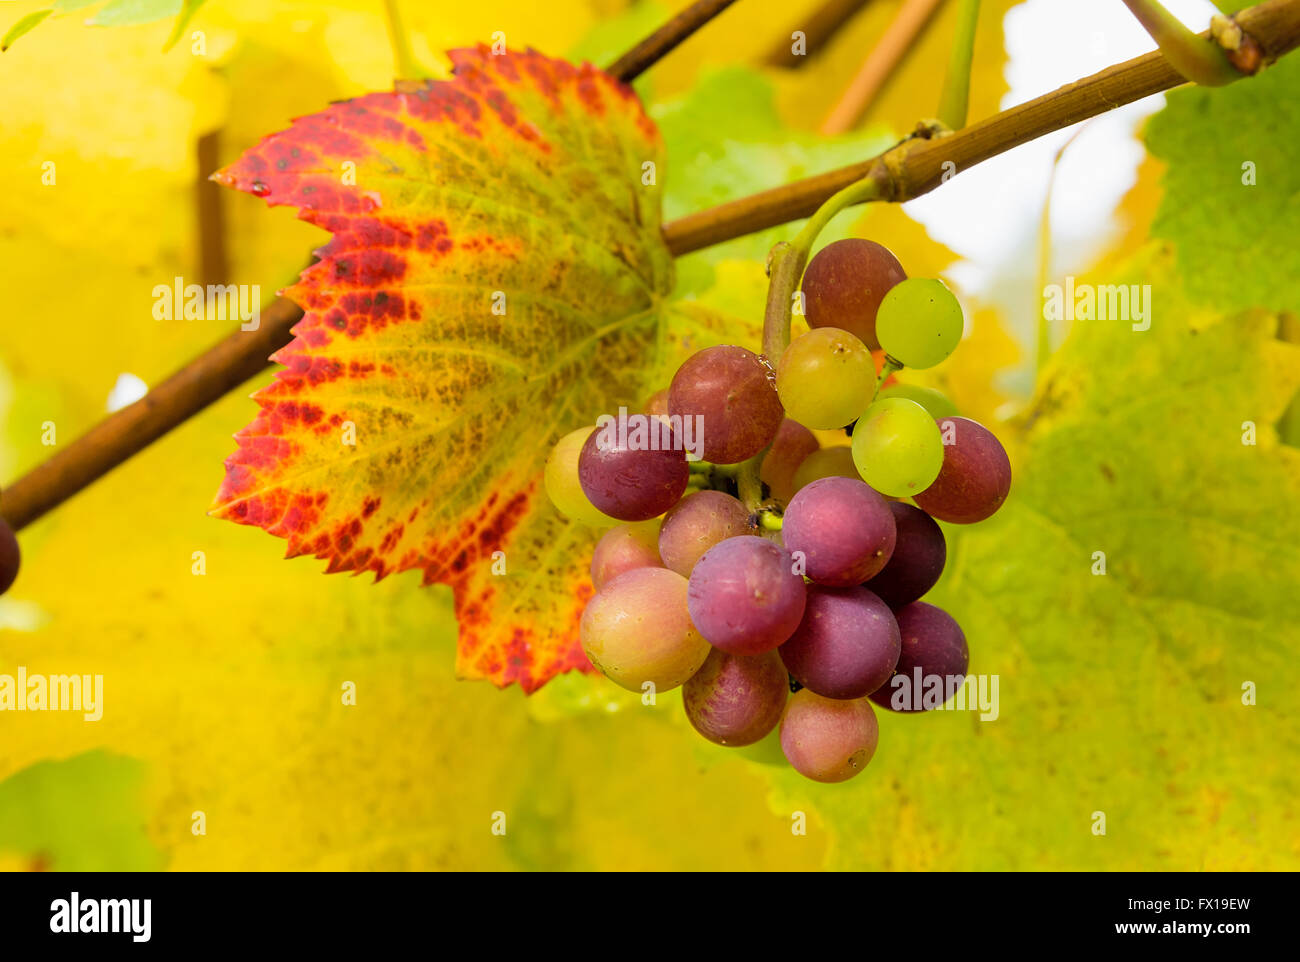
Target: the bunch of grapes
pixel 795 612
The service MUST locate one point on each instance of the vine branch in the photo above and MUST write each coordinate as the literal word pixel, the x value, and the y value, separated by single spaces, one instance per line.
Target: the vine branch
pixel 664 40
pixel 908 170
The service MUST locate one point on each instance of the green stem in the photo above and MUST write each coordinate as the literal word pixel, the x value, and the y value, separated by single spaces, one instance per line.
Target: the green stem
pixel 788 259
pixel 403 59
pixel 955 99
pixel 889 367
pixel 748 485
pixel 770 520
pixel 1198 59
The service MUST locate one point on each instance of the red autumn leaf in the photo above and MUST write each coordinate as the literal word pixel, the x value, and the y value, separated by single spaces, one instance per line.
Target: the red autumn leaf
pixel 495 279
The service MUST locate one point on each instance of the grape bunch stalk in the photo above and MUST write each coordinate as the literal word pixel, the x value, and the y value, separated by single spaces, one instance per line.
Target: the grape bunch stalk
pixel 779 581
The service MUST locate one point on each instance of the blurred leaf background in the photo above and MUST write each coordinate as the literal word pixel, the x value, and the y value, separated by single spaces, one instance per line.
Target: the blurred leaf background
pixel 222 693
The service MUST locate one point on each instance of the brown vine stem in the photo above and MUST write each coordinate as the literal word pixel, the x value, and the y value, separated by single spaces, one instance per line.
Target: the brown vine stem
pixel 818 29
pixel 893 45
pixel 912 168
pixel 654 47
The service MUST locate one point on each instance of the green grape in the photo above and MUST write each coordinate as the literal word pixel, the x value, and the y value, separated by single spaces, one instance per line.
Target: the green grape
pixel 920 322
pixel 936 403
pixel 562 485
pixel 897 447
pixel 825 378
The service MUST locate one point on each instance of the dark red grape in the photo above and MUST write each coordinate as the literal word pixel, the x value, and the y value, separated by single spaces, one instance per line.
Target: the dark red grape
pixel 918 559
pixel 845 283
pixel 730 389
pixel 744 596
pixel 793 443
pixel 847 644
pixel 631 484
pixel 843 529
pixel 975 477
pixel 933 647
pixel 736 700
pixel 10 556
pixel 698 522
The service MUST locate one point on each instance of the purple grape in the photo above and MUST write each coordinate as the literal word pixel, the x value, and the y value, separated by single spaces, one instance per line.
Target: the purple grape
pixel 847 644
pixel 631 484
pixel 736 700
pixel 975 478
pixel 10 556
pixel 933 645
pixel 918 559
pixel 744 596
pixel 844 530
pixel 698 522
pixel 623 548
pixel 732 391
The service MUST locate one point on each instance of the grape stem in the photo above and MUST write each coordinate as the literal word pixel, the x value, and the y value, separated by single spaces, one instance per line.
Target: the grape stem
pixel 955 98
pixel 889 367
pixel 787 260
pixel 1198 59
pixel 405 67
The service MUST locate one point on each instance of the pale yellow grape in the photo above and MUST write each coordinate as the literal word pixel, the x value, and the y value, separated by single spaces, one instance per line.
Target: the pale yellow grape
pixel 897 447
pixel 833 462
pixel 825 378
pixel 561 481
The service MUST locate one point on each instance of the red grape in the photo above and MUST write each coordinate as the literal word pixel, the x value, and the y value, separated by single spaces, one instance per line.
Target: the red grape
pixel 631 484
pixel 792 444
pixel 975 477
pixel 845 283
pixel 736 700
pixel 847 644
pixel 744 596
pixel 920 552
pixel 698 522
pixel 934 646
pixel 731 389
pixel 843 529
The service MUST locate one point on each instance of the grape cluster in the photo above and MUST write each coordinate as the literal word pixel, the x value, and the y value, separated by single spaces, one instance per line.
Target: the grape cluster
pixel 791 615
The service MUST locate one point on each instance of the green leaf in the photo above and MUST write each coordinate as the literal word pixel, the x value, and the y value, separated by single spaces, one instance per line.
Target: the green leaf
pixel 1235 242
pixel 67 6
pixel 127 13
pixel 82 814
pixel 1119 693
pixel 725 140
pixel 24 25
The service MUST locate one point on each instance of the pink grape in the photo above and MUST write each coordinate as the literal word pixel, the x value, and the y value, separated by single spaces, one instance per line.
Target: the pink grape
pixel 637 629
pixel 933 646
pixel 698 522
pixel 975 477
pixel 631 484
pixel 623 548
pixel 736 700
pixel 847 644
pixel 744 596
pixel 842 528
pixel 733 392
pixel 920 552
pixel 828 739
